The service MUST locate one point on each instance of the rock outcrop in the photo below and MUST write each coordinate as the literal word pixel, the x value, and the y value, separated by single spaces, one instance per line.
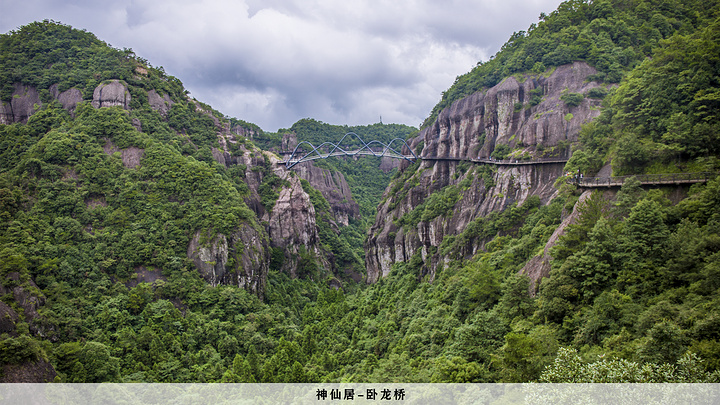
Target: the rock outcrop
pixel 24 102
pixel 503 115
pixel 332 185
pixel 161 104
pixel 387 164
pixel 292 227
pixel 28 297
pixel 288 228
pixel 540 265
pixel 111 94
pixel 39 371
pixel 472 128
pixel 68 98
pixel 240 259
pixel 130 156
pixel 8 318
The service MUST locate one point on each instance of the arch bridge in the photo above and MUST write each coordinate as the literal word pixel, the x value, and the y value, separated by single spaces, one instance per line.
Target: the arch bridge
pixel 329 149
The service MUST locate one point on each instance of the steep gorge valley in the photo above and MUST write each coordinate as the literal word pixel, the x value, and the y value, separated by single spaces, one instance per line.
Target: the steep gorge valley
pixel 146 237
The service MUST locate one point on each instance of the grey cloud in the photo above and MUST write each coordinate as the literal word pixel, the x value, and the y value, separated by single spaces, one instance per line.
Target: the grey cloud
pixel 273 62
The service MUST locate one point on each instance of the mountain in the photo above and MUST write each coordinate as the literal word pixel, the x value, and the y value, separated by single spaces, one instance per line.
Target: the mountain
pixel 131 215
pixel 531 261
pixel 526 120
pixel 112 177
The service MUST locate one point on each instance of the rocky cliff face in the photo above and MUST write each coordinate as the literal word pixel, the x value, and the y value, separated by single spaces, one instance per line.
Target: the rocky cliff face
pixel 26 100
pixel 290 225
pixel 111 94
pixel 332 185
pixel 239 259
pixel 68 98
pixel 475 127
pixel 159 103
pixel 29 299
pixel 334 188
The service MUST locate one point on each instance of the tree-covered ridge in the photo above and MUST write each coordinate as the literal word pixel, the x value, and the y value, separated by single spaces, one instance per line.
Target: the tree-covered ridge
pixel 317 132
pixel 629 286
pixel 41 54
pixel 77 224
pixel 614 36
pixel 663 117
pixel 363 175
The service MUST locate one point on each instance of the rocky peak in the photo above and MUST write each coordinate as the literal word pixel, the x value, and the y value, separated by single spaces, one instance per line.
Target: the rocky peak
pixel 289 226
pixel 504 115
pixel 289 141
pixel 292 226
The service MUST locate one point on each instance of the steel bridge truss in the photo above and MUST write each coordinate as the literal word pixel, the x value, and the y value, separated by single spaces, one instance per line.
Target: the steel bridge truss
pixel 372 148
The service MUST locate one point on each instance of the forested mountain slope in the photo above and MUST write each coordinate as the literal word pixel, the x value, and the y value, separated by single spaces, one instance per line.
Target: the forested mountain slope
pixel 615 88
pixel 121 223
pixel 116 185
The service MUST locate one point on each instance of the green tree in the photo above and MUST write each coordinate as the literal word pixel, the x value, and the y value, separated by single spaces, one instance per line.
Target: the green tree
pixel 643 246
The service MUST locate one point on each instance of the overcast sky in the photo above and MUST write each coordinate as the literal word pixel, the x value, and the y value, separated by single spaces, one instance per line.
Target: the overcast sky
pixel 274 62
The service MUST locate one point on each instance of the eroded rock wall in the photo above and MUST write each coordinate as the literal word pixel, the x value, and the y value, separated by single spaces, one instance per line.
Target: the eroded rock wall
pixel 111 94
pixel 289 226
pixel 472 128
pixel 24 102
pixel 332 185
pixel 334 188
pixel 239 259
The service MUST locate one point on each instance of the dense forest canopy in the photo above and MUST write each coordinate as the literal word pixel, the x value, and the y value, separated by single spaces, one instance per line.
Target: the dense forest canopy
pixel 633 289
pixel 663 117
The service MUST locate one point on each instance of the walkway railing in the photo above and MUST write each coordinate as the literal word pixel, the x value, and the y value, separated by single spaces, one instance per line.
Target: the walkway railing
pixel 653 179
pixel 518 162
pixel 505 162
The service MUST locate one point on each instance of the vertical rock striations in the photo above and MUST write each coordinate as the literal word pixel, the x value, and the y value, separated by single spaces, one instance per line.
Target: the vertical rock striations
pixel 334 188
pixel 520 119
pixel 111 94
pixel 24 102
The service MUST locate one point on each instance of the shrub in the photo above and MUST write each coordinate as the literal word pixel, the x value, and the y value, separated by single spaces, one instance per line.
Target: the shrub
pixel 572 99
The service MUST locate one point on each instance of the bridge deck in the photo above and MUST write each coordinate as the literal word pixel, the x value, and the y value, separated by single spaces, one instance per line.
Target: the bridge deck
pixel 588 182
pixel 507 162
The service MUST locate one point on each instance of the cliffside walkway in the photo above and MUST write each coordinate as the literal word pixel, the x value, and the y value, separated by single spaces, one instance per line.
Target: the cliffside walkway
pixel 649 179
pixel 329 149
pixel 505 162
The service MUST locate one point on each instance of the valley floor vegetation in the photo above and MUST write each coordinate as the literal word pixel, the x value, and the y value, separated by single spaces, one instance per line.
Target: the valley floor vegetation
pixel 633 294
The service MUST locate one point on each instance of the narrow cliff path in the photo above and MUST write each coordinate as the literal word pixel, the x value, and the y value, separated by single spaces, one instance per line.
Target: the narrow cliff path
pixel 506 162
pixel 646 179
